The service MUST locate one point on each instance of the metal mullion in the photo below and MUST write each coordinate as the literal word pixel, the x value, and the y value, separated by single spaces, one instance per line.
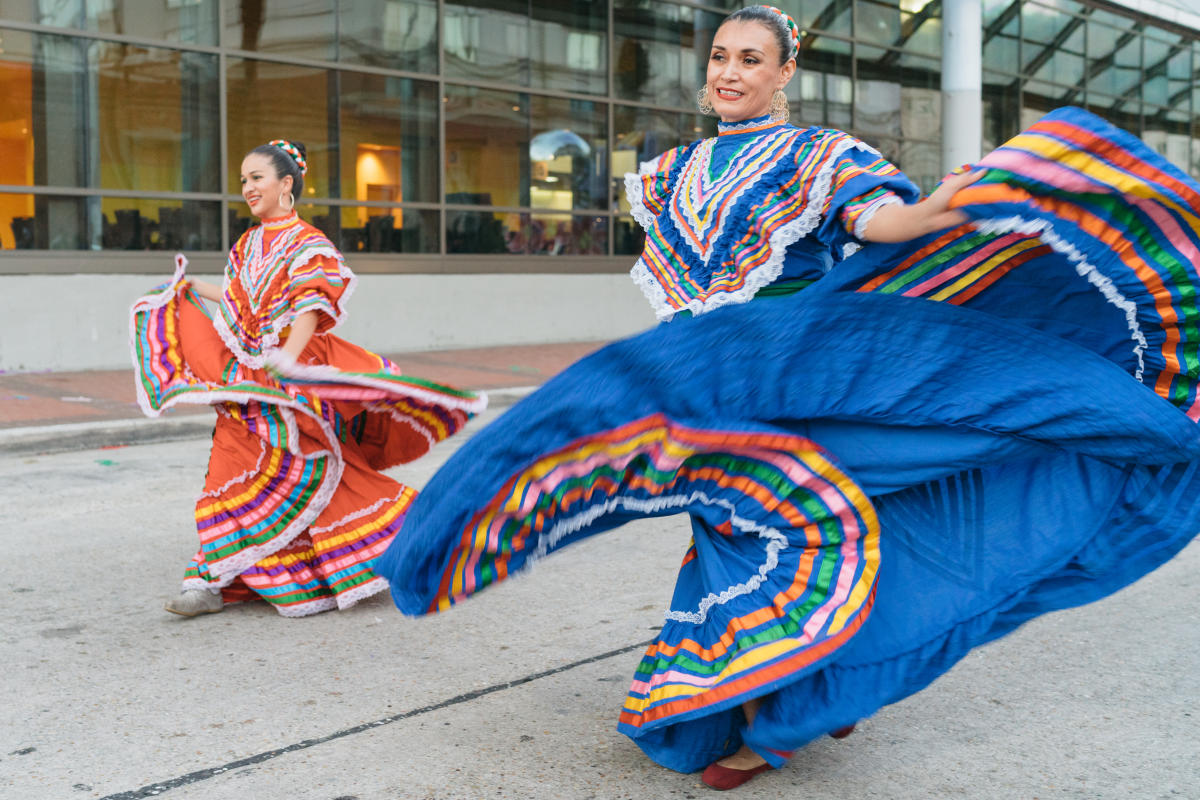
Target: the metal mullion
pixel 118 38
pixel 611 130
pixel 319 63
pixel 223 121
pixel 513 87
pixel 441 126
pixel 80 191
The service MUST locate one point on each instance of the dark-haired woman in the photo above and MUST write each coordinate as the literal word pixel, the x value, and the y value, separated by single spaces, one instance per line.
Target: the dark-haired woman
pixel 294 507
pixel 892 451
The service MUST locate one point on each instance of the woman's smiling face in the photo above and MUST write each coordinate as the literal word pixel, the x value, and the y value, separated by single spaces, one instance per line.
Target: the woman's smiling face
pixel 744 70
pixel 262 189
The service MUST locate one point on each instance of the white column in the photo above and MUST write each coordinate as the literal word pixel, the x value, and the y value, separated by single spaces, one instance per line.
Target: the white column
pixel 962 79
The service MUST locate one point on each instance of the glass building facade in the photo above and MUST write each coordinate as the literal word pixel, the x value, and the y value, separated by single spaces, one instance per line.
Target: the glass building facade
pixel 448 136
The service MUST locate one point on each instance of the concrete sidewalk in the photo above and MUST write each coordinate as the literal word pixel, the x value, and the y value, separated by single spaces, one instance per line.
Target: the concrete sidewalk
pixel 59 411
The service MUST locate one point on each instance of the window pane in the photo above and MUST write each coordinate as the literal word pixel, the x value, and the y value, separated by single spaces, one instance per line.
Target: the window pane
pixel 566 235
pixel 397 34
pixel 487 147
pixel 922 162
pixel 628 237
pixel 826 91
pixel 641 134
pixel 134 224
pixel 831 16
pixel 1001 43
pixel 1114 59
pixel 1001 112
pixel 157 118
pixel 43 107
pixel 388 139
pixel 38 222
pixel 661 51
pixel 273 101
pixel 296 27
pixel 79 112
pixel 368 229
pixel 190 21
pixel 567 154
pixel 569 45
pixel 1062 61
pixel 877 21
pixel 486 232
pixel 487 39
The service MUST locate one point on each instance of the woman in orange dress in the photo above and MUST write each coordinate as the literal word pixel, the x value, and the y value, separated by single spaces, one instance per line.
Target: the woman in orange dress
pixel 294 508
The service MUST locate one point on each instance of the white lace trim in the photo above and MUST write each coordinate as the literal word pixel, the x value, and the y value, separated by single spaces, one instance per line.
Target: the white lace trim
pixel 1045 231
pixel 151 302
pixel 245 476
pixel 779 241
pixel 757 122
pixel 270 338
pixel 860 224
pixel 360 513
pixel 563 527
pixel 328 374
pixel 361 592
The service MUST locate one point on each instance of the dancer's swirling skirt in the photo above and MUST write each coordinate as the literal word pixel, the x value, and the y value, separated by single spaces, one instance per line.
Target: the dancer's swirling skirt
pixel 294 508
pixel 878 482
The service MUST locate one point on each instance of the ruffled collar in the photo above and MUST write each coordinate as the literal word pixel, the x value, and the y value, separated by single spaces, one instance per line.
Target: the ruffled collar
pixel 279 223
pixel 752 125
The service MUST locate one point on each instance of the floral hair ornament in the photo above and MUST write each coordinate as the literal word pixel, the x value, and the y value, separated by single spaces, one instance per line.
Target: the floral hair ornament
pixel 293 151
pixel 793 29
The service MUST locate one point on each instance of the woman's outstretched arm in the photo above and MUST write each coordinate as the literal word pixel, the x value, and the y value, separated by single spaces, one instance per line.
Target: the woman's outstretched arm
pixel 900 223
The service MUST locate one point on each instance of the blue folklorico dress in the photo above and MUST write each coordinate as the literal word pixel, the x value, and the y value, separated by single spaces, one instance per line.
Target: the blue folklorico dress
pixel 930 444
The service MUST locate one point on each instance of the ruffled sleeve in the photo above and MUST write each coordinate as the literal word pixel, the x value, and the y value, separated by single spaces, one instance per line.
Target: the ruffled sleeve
pixel 649 190
pixel 862 182
pixel 318 280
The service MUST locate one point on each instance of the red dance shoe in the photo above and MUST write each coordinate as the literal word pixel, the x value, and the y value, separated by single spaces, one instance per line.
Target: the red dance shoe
pixel 718 777
pixel 842 733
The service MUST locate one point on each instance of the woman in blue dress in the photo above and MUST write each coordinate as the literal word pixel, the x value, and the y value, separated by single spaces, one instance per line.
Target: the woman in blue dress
pixel 936 420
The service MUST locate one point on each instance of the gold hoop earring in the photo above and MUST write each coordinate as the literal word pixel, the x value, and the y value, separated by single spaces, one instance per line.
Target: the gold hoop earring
pixel 703 101
pixel 779 107
pixel 291 203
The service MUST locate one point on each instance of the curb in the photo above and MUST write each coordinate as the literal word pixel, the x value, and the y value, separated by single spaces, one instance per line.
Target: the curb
pixel 71 436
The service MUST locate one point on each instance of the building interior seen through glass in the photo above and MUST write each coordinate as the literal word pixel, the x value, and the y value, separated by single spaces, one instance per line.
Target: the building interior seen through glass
pixel 502 127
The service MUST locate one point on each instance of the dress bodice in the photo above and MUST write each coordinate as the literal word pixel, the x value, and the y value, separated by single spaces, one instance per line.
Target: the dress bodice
pixel 762 201
pixel 275 272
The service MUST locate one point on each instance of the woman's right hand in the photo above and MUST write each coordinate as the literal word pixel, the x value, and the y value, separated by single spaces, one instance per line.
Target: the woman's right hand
pixel 209 291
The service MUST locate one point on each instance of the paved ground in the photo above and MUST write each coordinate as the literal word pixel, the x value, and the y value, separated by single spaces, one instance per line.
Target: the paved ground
pixel 511 695
pixel 55 398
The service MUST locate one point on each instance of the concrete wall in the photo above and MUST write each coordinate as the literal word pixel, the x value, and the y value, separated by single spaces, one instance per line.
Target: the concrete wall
pixel 79 322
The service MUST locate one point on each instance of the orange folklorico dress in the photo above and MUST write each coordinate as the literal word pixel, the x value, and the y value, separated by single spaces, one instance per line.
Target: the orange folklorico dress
pixel 294 508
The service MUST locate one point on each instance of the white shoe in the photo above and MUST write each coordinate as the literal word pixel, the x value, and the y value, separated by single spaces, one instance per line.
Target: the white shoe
pixel 192 602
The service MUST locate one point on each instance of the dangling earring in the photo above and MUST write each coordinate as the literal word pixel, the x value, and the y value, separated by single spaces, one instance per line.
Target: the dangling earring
pixel 779 106
pixel 291 203
pixel 703 101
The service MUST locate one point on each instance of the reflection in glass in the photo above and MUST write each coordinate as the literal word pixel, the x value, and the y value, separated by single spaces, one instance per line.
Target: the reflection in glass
pixel 269 101
pixel 826 90
pixel 1001 109
pixel 565 235
pixel 366 229
pixel 487 147
pixel 1002 41
pixel 388 138
pixel 641 134
pixel 188 21
pixel 294 27
pixel 487 39
pixel 1114 59
pixel 661 51
pixel 485 232
pixel 628 237
pixel 569 45
pixel 1062 60
pixel 395 34
pixel 567 154
pixel 156 112
pixel 136 224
